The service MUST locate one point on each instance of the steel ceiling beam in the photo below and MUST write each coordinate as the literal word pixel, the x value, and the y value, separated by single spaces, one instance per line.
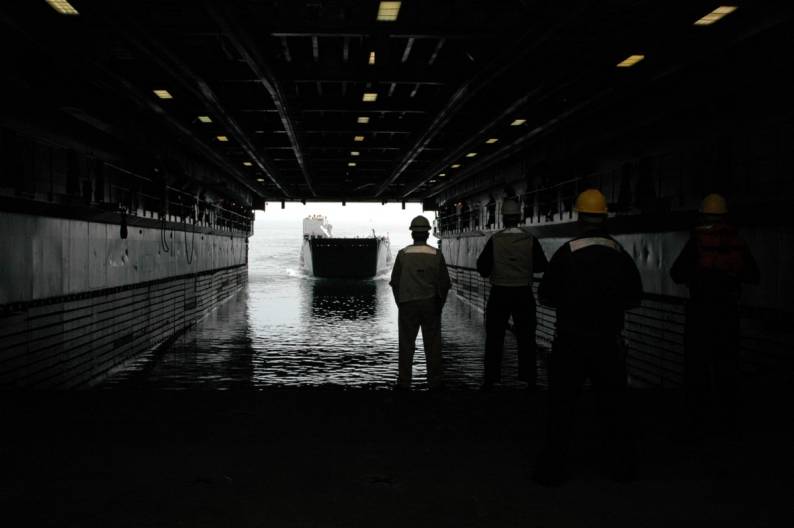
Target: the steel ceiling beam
pixel 467 146
pixel 528 41
pixel 161 55
pixel 118 85
pixel 249 53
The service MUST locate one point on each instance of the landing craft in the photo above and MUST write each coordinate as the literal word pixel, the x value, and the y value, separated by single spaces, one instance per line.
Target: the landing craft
pixel 324 255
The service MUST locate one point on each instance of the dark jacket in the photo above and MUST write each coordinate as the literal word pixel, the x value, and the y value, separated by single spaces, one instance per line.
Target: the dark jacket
pixel 591 280
pixel 714 264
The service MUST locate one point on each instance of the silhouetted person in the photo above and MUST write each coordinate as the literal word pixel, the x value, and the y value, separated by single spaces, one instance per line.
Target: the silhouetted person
pixel 714 264
pixel 591 281
pixel 420 283
pixel 509 259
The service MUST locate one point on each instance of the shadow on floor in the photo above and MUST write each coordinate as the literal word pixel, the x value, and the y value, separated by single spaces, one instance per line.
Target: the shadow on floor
pixel 316 457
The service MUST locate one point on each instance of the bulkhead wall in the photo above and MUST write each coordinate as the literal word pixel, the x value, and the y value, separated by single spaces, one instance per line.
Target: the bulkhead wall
pixel 77 298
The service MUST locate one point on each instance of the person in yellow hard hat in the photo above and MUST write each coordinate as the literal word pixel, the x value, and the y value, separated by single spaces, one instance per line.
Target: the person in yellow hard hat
pixel 591 281
pixel 420 283
pixel 509 259
pixel 714 264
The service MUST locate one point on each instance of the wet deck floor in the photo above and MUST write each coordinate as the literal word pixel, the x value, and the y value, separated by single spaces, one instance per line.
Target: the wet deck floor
pixel 340 458
pixel 305 332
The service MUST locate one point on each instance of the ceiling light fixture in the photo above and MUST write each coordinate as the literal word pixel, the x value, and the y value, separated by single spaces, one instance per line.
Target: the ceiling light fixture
pixel 222 139
pixel 442 174
pixel 260 180
pixel 630 61
pixel 455 166
pixel 358 138
pixel 715 15
pixel 248 164
pixel 491 141
pixel 205 119
pixel 471 154
pixel 354 153
pixel 163 94
pixel 388 11
pixel 518 122
pixel 372 57
pixel 363 120
pixel 63 7
pixel 369 97
pixel 351 163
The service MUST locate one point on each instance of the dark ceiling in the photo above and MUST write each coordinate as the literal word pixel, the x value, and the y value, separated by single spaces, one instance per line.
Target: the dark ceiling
pixel 284 80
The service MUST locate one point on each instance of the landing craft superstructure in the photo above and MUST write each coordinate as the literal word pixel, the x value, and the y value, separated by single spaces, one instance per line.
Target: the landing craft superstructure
pixel 323 255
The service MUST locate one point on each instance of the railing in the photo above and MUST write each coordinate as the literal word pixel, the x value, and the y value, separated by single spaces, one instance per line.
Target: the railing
pixel 539 205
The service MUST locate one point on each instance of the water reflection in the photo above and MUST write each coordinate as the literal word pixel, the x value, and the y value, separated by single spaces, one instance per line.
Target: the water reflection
pixel 343 299
pixel 292 330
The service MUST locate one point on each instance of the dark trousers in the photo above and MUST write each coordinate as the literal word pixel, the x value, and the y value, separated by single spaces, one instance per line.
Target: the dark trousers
pixel 711 362
pixel 504 302
pixel 424 314
pixel 602 360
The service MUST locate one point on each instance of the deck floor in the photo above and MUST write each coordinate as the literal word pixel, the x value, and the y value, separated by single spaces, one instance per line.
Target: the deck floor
pixel 316 457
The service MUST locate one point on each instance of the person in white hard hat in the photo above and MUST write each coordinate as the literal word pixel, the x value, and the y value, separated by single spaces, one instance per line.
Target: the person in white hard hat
pixel 420 283
pixel 509 259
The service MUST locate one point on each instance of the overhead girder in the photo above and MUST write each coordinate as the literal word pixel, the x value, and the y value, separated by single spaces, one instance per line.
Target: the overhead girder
pixel 160 54
pixel 242 44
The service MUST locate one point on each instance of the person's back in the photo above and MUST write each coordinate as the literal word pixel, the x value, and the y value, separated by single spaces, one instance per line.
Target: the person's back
pixel 420 270
pixel 715 263
pixel 420 283
pixel 591 280
pixel 508 260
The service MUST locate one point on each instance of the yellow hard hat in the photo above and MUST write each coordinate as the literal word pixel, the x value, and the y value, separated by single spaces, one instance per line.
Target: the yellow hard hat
pixel 591 201
pixel 714 204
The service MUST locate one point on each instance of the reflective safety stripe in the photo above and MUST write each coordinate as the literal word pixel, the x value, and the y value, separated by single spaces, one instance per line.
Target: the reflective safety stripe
pixel 427 250
pixel 582 243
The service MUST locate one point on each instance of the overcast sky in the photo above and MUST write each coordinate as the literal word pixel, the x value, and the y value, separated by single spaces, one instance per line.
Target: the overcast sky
pixel 350 220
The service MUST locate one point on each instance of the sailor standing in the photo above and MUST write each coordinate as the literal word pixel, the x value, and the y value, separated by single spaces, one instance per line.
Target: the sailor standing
pixel 420 282
pixel 509 259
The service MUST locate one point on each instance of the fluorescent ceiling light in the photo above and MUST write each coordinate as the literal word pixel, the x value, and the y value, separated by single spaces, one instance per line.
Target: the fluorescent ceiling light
pixel 630 61
pixel 442 174
pixel 388 11
pixel 205 119
pixel 222 139
pixel 369 97
pixel 518 122
pixel 163 94
pixel 432 181
pixel 260 179
pixel 471 154
pixel 491 141
pixel 372 57
pixel 247 163
pixel 363 120
pixel 715 15
pixel 358 138
pixel 455 166
pixel 64 7
pixel 351 163
pixel 354 153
